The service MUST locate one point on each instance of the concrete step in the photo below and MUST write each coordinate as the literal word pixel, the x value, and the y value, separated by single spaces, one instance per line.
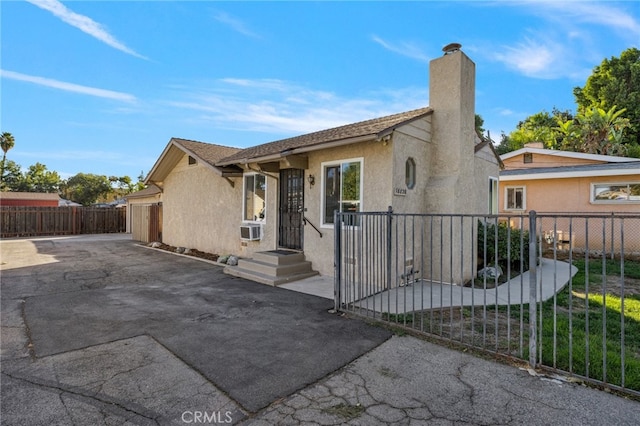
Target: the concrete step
pixel 273 267
pixel 279 257
pixel 236 271
pixel 274 270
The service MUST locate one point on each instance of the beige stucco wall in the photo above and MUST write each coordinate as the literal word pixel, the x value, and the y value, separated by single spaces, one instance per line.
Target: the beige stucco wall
pixel 200 209
pixel 376 194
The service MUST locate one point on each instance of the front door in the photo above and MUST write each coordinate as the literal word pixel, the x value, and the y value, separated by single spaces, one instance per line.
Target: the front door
pixel 291 221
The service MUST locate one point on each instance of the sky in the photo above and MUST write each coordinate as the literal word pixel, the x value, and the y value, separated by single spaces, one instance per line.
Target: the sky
pixel 102 86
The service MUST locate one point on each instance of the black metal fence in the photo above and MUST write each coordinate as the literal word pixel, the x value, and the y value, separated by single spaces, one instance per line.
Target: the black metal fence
pixel 36 221
pixel 470 279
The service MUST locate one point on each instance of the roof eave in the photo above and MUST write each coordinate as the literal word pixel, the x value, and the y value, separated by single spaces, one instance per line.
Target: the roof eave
pixel 566 175
pixel 300 150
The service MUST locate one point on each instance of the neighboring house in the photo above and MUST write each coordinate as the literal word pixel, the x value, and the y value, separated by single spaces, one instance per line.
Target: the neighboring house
pixel 29 199
pixel 144 214
pixel 549 181
pixel 282 194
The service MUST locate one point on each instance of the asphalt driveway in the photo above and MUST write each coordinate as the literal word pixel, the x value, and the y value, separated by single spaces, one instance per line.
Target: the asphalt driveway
pixel 97 328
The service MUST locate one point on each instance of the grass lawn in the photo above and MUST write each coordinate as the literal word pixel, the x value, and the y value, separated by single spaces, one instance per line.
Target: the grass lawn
pixel 597 323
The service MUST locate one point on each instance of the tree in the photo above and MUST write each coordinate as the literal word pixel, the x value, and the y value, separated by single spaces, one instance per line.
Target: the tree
pixel 6 143
pixel 86 188
pixel 595 131
pixel 38 179
pixel 539 127
pixel 12 176
pixel 615 83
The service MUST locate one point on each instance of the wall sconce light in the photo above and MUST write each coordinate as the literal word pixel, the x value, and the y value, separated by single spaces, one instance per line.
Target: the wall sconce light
pixel 311 179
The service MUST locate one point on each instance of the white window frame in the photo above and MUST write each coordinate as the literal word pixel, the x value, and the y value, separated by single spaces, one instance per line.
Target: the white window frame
pixel 594 185
pixel 244 197
pixel 524 198
pixel 323 200
pixel 494 185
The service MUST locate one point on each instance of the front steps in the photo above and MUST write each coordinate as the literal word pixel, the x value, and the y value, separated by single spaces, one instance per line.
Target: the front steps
pixel 273 267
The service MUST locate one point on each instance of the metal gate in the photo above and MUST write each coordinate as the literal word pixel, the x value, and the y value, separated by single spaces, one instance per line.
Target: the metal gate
pixel 291 223
pixel 559 291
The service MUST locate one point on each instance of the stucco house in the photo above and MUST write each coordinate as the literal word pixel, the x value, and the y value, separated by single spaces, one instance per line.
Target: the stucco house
pixel 265 202
pixel 546 180
pixel 550 181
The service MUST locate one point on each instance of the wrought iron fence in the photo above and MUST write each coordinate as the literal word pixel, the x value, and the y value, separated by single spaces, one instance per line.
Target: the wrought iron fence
pixel 469 279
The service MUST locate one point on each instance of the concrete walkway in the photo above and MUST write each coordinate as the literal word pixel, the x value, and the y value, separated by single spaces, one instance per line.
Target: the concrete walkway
pixel 553 276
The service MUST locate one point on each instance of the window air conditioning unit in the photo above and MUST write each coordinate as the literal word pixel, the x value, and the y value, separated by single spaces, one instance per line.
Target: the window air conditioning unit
pixel 250 232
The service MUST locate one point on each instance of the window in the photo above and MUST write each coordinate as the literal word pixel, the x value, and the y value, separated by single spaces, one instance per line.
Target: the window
pixel 192 161
pixel 514 198
pixel 615 193
pixel 341 188
pixel 527 157
pixel 493 195
pixel 410 173
pixel 255 188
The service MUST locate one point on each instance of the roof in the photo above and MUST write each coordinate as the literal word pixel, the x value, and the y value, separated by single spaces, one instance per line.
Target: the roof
pixel 147 192
pixel 482 141
pixel 9 195
pixel 206 153
pixel 568 154
pixel 343 135
pixel 584 170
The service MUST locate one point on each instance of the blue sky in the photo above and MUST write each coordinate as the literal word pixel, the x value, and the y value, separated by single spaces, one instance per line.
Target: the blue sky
pixel 101 87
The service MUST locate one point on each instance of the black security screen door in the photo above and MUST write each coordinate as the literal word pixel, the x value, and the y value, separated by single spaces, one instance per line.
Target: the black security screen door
pixel 290 232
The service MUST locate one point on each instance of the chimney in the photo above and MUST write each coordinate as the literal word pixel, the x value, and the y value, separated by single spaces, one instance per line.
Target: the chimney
pixel 452 97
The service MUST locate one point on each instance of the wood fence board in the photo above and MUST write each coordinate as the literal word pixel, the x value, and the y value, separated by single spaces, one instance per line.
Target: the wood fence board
pixel 43 221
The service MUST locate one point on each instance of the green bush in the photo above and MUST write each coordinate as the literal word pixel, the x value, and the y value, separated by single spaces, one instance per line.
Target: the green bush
pixel 512 246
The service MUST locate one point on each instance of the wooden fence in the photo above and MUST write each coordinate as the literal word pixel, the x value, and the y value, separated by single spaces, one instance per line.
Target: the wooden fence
pixel 146 222
pixel 35 221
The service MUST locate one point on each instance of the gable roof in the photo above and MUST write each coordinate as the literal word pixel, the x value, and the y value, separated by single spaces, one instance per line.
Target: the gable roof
pixel 568 154
pixel 342 135
pixel 585 170
pixel 206 153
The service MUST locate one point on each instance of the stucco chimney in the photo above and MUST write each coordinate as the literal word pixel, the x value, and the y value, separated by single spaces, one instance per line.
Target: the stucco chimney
pixel 452 97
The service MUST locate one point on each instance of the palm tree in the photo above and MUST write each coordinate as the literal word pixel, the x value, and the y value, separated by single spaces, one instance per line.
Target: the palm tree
pixel 6 143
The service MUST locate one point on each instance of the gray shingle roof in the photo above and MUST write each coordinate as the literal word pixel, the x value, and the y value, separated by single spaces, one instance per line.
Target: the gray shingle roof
pixel 211 153
pixel 569 169
pixel 374 127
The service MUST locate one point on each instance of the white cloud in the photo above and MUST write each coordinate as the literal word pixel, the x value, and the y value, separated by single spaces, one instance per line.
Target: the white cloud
pixel 69 87
pixel 531 58
pixel 572 12
pixel 234 23
pixel 286 108
pixel 405 49
pixel 83 23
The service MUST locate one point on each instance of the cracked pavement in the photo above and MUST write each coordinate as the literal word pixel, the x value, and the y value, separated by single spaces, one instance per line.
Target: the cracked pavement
pixel 97 330
pixel 407 381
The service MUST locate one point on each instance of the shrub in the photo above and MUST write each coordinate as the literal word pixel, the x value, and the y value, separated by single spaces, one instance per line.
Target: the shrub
pixel 512 245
